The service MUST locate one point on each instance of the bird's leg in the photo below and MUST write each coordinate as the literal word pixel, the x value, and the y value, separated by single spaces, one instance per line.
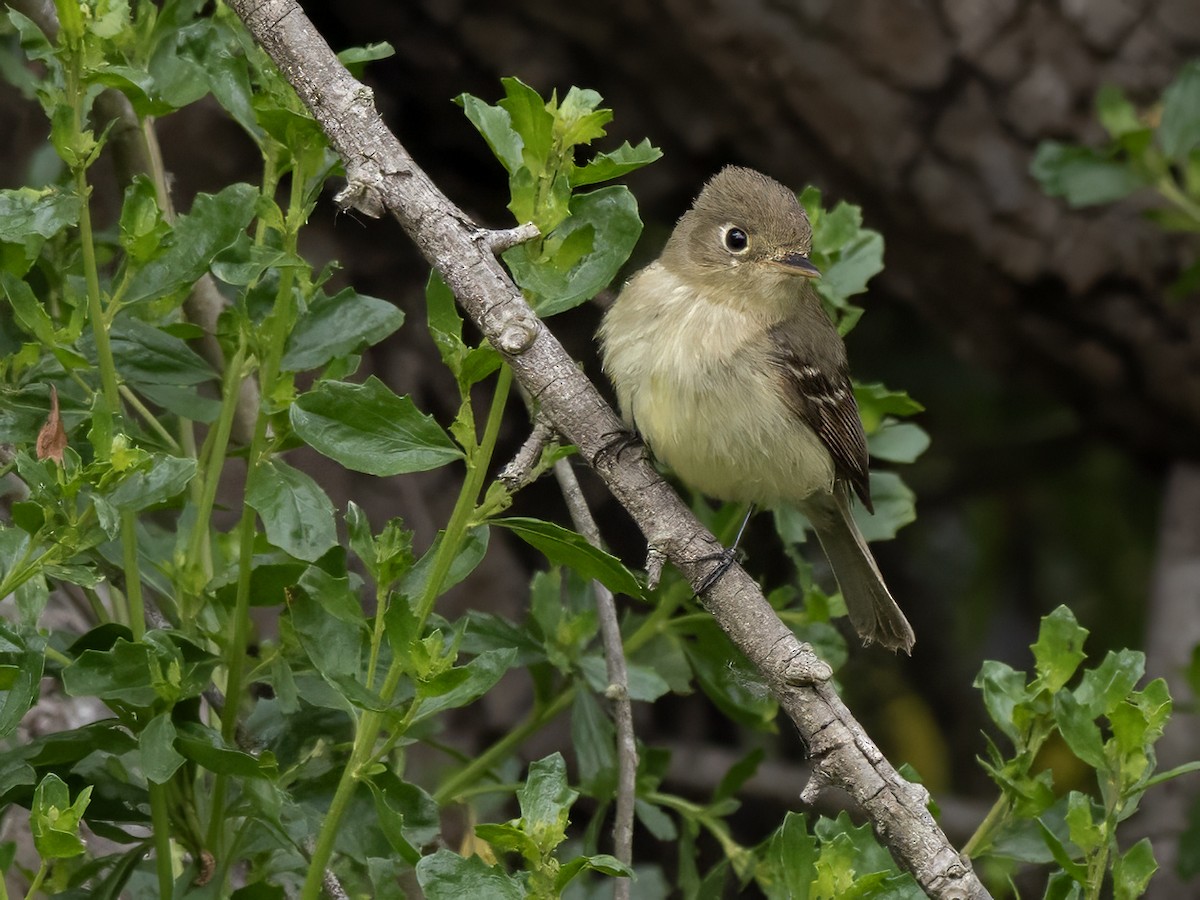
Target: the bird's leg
pixel 725 558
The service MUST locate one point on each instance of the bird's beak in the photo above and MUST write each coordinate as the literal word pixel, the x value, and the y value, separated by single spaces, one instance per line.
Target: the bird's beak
pixel 796 263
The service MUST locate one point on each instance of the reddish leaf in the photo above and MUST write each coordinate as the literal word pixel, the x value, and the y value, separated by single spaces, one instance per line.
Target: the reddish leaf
pixel 52 439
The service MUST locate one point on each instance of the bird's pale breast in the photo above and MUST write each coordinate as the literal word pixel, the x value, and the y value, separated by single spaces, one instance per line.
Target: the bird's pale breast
pixel 700 387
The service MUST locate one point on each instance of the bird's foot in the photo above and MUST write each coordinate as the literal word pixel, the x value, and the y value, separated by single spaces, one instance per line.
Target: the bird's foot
pixel 724 560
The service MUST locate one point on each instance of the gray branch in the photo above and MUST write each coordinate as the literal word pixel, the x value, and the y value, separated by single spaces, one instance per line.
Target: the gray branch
pixel 383 177
pixel 618 681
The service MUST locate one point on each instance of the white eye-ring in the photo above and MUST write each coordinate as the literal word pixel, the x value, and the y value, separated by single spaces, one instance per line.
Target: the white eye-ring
pixel 736 240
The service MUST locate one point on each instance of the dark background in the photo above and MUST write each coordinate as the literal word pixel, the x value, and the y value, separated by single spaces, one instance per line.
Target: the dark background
pixel 1062 387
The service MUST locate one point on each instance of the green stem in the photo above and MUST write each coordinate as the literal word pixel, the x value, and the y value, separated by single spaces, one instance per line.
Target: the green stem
pixel 1168 188
pixel 36 884
pixel 460 518
pixel 504 747
pixel 381 605
pixel 133 576
pixel 160 820
pixel 104 357
pixel 982 837
pixel 458 783
pixel 150 419
pixel 213 463
pixel 371 722
pixel 268 372
pixel 135 609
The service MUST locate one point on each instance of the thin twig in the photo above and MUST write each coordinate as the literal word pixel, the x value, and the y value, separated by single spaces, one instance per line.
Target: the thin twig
pixel 618 680
pixel 517 473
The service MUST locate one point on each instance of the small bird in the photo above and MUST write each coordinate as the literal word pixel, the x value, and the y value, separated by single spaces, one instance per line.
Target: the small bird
pixel 726 364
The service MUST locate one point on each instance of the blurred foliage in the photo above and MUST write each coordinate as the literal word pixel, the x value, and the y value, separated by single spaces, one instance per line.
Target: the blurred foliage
pixel 1155 149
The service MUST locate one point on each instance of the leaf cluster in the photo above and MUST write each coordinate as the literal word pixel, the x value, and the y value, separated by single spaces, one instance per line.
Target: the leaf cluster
pixel 1154 149
pixel 1109 725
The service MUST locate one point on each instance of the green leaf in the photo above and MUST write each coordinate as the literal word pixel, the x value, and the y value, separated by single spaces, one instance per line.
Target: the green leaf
pixel 594 740
pixel 728 679
pixel 469 364
pixel 900 442
pixel 165 477
pixel 185 402
pixel 876 401
pixel 531 120
pixel 121 673
pixel 465 684
pixel 572 550
pixel 1058 650
pixel 447 876
pixel 160 759
pixel 391 823
pixel 29 216
pixel 205 747
pixel 739 773
pixel 1061 886
pixel 622 161
pixel 546 801
pixel 54 819
pixel 833 229
pixel 361 540
pixel 215 221
pixel 486 631
pixel 337 326
pixel 297 514
pixel 369 429
pixel 508 838
pixel 142 226
pixel 1003 691
pixel 27 310
pixel 791 860
pixel 1137 724
pixel 1082 816
pixel 579 118
pixel 23 673
pixel 145 354
pixel 600 862
pixel 469 556
pixel 445 323
pixel 1179 129
pixel 895 507
pixel 645 683
pixel 353 57
pixel 495 124
pixel 1061 855
pixel 655 820
pixel 1079 729
pixel 1083 176
pixel 1111 682
pixel 580 256
pixel 1132 871
pixel 857 263
pixel 329 623
pixel 1118 116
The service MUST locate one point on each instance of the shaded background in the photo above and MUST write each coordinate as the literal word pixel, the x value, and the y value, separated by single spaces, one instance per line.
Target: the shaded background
pixel 1062 388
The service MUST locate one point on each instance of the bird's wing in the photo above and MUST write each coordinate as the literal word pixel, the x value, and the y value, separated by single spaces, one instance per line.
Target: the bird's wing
pixel 822 396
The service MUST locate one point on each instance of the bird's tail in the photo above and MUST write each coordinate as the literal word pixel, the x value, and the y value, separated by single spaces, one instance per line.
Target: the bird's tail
pixel 873 612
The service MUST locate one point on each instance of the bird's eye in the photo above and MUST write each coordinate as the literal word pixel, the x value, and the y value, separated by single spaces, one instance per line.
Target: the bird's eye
pixel 736 240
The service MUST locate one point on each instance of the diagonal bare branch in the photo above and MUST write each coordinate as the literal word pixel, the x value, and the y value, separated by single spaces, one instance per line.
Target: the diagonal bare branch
pixel 384 178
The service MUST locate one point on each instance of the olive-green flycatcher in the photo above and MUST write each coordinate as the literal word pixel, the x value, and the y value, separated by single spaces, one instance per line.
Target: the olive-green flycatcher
pixel 726 364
